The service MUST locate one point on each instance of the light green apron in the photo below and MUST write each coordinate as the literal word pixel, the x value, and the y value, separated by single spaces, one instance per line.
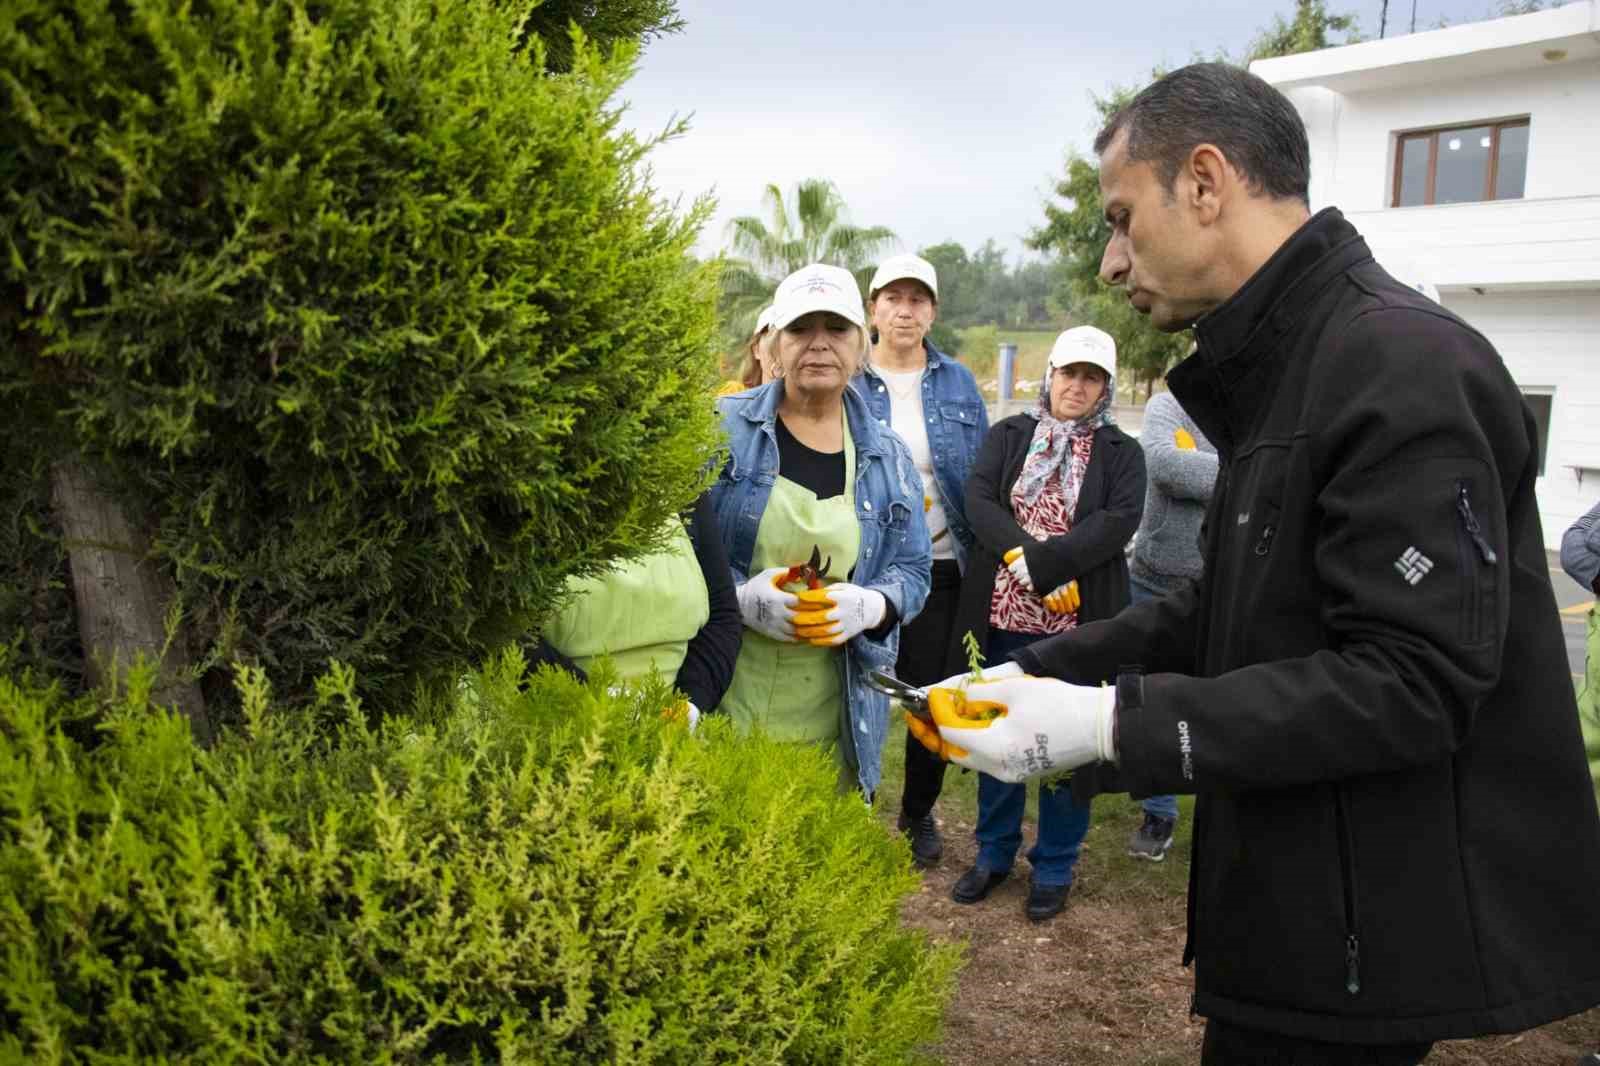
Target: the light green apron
pixel 643 615
pixel 1589 702
pixel 795 692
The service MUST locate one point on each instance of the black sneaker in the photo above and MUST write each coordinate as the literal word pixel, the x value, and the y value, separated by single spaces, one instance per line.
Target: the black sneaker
pixel 1046 901
pixel 926 846
pixel 1153 839
pixel 977 883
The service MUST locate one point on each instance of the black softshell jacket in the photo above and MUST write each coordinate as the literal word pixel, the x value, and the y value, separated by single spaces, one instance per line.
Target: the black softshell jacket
pixel 1368 690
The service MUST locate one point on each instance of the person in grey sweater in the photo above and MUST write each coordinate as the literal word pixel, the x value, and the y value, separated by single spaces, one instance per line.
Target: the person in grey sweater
pixel 1580 558
pixel 1181 468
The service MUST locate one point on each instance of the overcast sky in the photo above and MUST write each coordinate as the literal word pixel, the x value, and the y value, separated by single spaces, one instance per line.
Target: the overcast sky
pixel 944 119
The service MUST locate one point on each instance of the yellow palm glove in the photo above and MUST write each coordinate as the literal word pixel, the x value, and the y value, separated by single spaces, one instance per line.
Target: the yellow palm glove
pixel 1017 563
pixel 1183 439
pixel 1064 600
pixel 811 620
pixel 1019 727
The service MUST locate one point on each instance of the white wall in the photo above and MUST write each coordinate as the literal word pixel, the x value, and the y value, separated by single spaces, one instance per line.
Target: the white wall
pixel 1352 135
pixel 1551 342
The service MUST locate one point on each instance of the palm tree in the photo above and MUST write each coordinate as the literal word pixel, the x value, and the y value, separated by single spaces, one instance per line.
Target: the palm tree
pixel 764 252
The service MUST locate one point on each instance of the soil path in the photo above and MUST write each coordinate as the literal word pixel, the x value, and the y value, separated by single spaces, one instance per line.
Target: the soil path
pixel 1101 984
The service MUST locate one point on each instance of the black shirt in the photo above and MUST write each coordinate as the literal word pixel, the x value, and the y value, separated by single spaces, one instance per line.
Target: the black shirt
pixel 820 472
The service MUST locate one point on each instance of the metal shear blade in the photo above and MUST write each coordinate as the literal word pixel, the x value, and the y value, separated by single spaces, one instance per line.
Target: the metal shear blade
pixel 913 699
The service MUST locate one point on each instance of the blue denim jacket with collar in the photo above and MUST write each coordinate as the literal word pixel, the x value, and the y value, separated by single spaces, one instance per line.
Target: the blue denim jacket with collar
pixel 894 558
pixel 957 421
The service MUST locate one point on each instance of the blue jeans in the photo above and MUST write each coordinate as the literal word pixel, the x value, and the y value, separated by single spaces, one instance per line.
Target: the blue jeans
pixel 1160 806
pixel 1063 823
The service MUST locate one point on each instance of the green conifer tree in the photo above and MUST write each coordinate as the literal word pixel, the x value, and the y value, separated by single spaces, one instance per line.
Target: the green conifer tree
pixel 341 331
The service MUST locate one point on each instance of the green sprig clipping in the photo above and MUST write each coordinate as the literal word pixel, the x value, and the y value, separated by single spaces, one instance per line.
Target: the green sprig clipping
pixel 974 655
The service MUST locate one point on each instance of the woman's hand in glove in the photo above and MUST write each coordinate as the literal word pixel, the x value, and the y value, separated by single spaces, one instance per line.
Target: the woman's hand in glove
pixel 1064 600
pixel 766 608
pixel 835 614
pixel 1017 562
pixel 1019 727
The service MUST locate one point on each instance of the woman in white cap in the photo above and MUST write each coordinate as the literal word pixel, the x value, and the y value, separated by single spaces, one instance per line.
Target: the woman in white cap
pixel 932 402
pixel 756 368
pixel 820 510
pixel 1054 497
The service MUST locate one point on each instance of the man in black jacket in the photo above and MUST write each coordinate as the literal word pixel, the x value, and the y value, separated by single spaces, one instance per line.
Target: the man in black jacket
pixel 1394 840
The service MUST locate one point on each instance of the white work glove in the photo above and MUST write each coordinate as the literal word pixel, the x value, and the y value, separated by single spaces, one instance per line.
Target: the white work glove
pixel 766 608
pixel 835 614
pixel 1006 669
pixel 1017 562
pixel 1019 727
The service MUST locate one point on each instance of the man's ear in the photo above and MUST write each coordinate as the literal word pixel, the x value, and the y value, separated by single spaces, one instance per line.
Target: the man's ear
pixel 1211 180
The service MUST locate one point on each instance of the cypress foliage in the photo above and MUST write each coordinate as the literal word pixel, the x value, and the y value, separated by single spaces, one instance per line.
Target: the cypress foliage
pixel 374 325
pixel 547 875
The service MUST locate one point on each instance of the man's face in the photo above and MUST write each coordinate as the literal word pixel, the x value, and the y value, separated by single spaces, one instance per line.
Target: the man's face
pixel 1158 252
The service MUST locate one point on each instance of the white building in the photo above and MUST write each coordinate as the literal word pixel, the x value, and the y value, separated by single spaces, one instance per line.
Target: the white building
pixel 1469 157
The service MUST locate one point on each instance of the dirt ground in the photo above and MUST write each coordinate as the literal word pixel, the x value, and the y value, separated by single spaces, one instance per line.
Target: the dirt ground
pixel 1101 984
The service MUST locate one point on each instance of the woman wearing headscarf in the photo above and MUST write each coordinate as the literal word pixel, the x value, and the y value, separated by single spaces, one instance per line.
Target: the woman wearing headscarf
pixel 1053 499
pixel 820 510
pixel 932 402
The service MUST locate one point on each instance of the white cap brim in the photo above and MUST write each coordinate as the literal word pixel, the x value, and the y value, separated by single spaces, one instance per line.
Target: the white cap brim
pixel 903 267
pixel 818 287
pixel 1085 344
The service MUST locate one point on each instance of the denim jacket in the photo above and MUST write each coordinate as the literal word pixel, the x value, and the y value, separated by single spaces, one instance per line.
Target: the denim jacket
pixel 895 557
pixel 957 421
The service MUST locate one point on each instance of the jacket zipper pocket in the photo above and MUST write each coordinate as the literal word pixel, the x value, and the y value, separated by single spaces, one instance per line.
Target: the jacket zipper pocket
pixel 1347 871
pixel 1475 549
pixel 1470 520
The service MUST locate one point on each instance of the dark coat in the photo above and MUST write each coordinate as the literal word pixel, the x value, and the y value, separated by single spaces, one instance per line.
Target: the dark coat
pixel 1394 838
pixel 1110 503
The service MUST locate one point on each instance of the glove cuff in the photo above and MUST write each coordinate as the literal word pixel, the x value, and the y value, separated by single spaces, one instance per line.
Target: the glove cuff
pixel 1106 724
pixel 1010 668
pixel 877 608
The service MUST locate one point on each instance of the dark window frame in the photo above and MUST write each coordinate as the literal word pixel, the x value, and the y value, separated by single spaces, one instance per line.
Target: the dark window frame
pixel 1538 397
pixel 1431 134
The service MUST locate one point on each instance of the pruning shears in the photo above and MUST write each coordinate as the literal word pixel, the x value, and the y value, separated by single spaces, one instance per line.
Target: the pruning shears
pixel 913 699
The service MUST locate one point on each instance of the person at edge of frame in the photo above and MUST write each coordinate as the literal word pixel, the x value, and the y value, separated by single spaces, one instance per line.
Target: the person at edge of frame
pixel 1580 558
pixel 1368 692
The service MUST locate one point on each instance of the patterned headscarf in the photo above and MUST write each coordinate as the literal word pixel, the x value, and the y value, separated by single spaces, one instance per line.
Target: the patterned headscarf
pixel 1051 447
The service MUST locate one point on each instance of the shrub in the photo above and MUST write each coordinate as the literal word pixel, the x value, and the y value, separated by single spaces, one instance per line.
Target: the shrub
pixel 538 876
pixel 375 329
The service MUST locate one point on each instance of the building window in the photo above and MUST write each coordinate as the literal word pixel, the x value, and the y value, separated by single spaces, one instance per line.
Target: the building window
pixel 1540 403
pixel 1461 164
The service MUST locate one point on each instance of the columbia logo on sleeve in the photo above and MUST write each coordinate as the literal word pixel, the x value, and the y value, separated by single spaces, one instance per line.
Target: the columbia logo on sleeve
pixel 1412 565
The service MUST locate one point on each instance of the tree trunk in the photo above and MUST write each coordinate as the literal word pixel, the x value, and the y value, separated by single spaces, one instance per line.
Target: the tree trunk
pixel 122 596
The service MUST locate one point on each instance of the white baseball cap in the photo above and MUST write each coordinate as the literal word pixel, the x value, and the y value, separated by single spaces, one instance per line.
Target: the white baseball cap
pixel 763 320
pixel 818 287
pixel 905 266
pixel 1085 344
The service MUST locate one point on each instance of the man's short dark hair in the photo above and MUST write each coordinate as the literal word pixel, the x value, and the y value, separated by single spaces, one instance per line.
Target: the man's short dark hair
pixel 1254 125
